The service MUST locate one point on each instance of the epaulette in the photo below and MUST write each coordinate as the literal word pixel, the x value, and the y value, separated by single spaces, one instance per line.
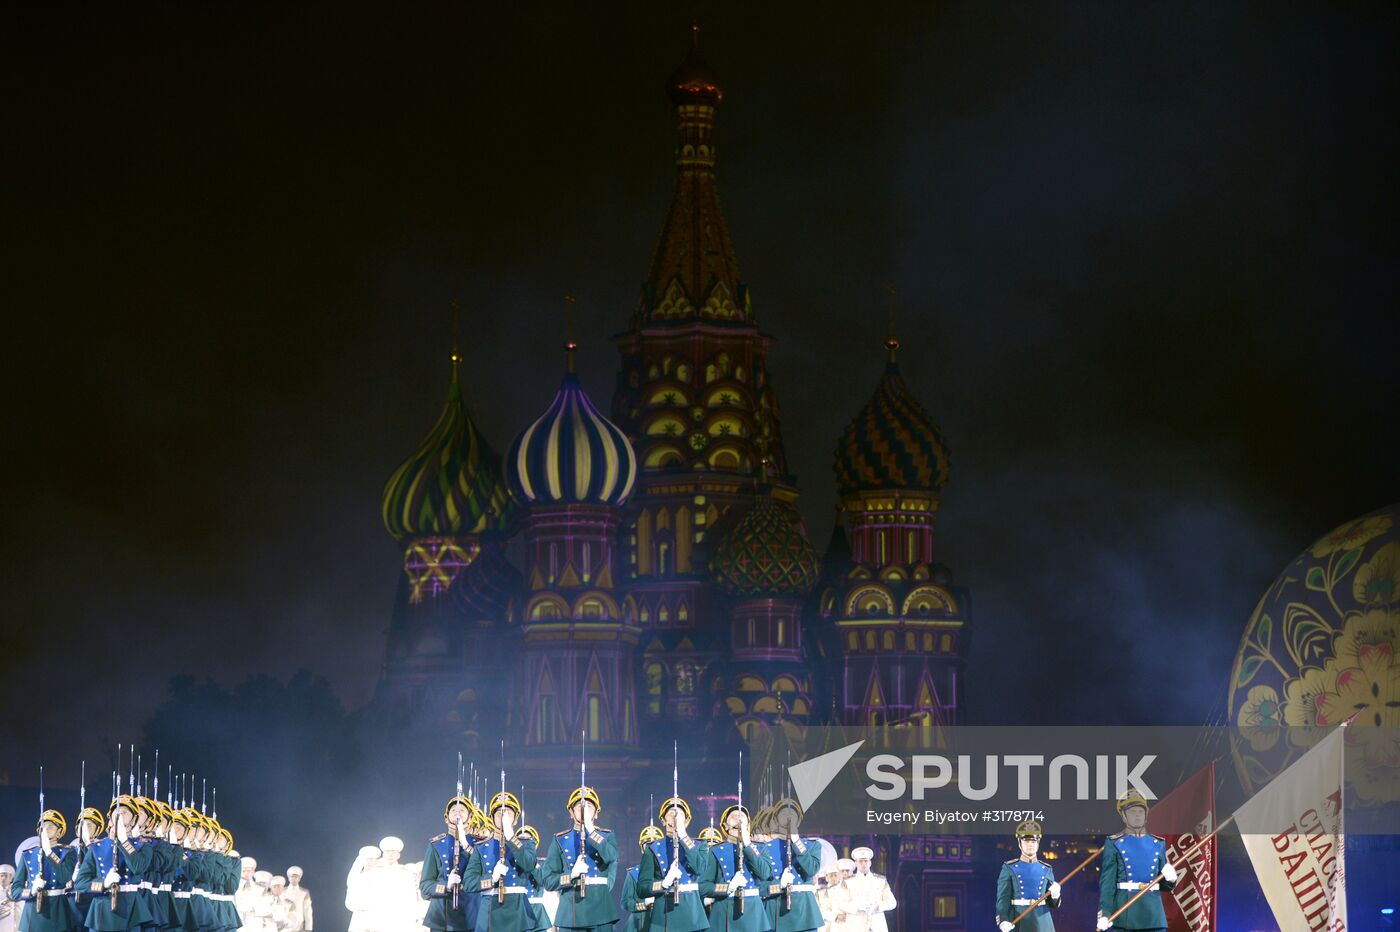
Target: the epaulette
pixel 1158 837
pixel 443 835
pixel 558 834
pixel 1012 861
pixel 1114 837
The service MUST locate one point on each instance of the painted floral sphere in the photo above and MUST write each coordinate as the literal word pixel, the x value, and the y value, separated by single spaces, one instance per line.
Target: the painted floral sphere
pixel 1321 649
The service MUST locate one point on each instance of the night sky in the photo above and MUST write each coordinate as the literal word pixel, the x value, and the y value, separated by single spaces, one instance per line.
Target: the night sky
pixel 1146 258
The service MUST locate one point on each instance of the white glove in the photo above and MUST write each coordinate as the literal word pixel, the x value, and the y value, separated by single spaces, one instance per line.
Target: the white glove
pixel 121 830
pixel 1054 890
pixel 1169 873
pixel 1103 924
pixel 788 878
pixel 580 867
pixel 1005 926
pixel 38 884
pixel 673 874
pixel 500 869
pixel 112 878
pixel 737 882
pixel 454 879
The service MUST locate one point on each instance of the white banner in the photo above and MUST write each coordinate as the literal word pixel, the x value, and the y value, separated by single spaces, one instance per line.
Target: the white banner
pixel 1293 832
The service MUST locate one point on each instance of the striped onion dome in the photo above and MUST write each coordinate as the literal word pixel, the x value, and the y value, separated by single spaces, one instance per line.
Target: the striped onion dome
pixel 893 442
pixel 571 454
pixel 766 554
pixel 451 484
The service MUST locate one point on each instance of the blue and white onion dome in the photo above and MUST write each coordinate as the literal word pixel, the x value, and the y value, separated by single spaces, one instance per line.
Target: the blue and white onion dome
pixel 571 454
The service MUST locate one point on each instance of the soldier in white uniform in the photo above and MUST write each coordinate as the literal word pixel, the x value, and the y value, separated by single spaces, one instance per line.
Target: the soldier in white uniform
pixel 868 896
pixel 247 893
pixel 359 895
pixel 9 909
pixel 302 896
pixel 286 914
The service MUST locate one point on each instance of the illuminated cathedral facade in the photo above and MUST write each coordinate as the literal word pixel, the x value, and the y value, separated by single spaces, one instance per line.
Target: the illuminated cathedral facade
pixel 666 586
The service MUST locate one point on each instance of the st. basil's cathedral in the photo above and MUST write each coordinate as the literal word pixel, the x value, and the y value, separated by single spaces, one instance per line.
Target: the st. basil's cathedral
pixel 669 589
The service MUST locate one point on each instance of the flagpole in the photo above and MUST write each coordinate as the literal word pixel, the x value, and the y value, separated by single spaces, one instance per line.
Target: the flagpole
pixel 1063 880
pixel 1158 879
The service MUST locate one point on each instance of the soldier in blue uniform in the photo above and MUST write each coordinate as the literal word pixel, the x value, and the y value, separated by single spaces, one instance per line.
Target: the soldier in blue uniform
pixel 91 824
pixel 1022 881
pixel 582 866
pixel 113 867
pixel 1132 860
pixel 670 871
pixel 733 876
pixel 443 864
pixel 498 871
pixel 637 904
pixel 42 878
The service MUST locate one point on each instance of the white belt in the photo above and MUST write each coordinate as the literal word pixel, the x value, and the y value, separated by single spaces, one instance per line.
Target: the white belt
pixel 538 900
pixel 687 887
pixel 200 890
pixel 128 887
pixel 146 885
pixel 803 888
pixel 507 889
pixel 594 881
pixel 221 897
pixel 164 888
pixel 1136 886
pixel 181 894
pixel 1023 902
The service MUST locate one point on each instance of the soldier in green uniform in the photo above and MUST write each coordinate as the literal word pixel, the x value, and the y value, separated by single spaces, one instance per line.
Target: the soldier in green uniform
pixel 42 877
pixel 582 866
pixel 498 871
pixel 796 863
pixel 1022 881
pixel 539 914
pixel 638 907
pixel 443 864
pixel 670 871
pixel 91 825
pixel 1132 861
pixel 733 876
pixel 113 866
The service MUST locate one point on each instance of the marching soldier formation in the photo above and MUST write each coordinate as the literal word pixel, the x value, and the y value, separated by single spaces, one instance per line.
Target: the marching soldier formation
pixel 159 865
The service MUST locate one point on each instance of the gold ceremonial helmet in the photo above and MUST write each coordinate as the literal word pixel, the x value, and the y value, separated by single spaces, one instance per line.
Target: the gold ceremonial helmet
pixel 465 803
pixel 669 802
pixel 124 802
pixel 179 817
pixel 710 835
pixel 758 822
pixel 586 794
pixel 649 834
pixel 99 823
pixel 504 800
pixel 1131 797
pixel 1029 829
pixel 724 816
pixel 529 832
pixel 193 818
pixel 227 836
pixel 53 817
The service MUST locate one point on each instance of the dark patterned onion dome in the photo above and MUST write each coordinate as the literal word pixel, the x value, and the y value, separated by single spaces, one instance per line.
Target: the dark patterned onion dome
pixel 451 485
pixel 766 554
pixel 892 443
pixel 694 82
pixel 486 588
pixel 572 454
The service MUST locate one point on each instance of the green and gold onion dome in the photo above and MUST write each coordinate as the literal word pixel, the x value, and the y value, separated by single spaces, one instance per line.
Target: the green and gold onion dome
pixel 1321 649
pixel 893 443
pixel 766 554
pixel 452 483
pixel 571 454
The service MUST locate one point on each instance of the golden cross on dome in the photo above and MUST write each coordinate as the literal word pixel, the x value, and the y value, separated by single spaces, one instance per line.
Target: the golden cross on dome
pixel 456 326
pixel 569 345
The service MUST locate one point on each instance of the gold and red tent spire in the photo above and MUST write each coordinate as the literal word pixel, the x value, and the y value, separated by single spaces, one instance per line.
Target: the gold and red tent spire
pixel 694 272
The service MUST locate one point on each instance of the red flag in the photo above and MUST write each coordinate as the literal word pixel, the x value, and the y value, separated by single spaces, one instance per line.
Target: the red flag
pixel 1191 907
